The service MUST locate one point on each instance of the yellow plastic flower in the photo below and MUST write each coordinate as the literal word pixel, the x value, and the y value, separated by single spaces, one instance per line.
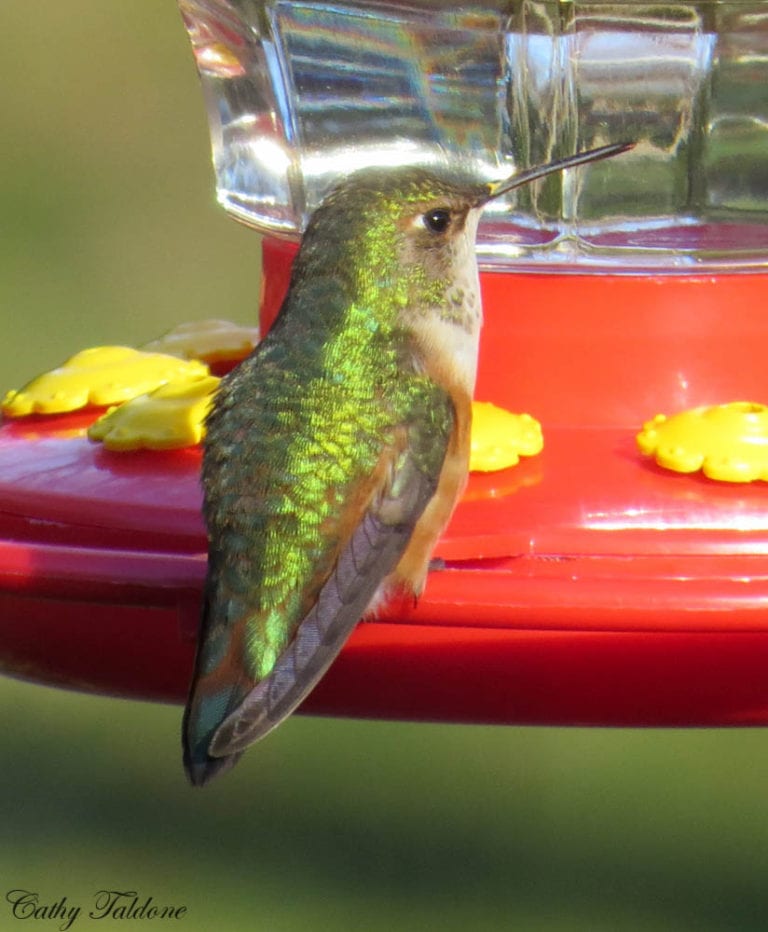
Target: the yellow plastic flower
pixel 727 442
pixel 170 417
pixel 209 340
pixel 500 438
pixel 100 376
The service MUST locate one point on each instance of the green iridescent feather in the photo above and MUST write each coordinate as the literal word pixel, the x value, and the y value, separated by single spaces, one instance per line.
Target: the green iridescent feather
pixel 294 431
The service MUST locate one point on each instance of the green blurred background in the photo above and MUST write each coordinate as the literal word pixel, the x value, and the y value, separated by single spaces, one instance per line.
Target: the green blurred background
pixel 109 233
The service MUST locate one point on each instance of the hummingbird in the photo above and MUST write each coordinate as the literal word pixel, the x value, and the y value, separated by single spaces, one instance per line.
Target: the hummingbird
pixel 336 452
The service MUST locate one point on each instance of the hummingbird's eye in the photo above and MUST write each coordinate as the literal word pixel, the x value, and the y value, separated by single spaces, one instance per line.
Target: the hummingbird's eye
pixel 437 220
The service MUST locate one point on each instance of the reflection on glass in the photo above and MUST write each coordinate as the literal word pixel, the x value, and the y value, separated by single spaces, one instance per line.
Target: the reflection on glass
pixel 302 92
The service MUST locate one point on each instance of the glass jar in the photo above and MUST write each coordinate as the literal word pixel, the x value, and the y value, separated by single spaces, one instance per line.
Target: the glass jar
pixel 301 93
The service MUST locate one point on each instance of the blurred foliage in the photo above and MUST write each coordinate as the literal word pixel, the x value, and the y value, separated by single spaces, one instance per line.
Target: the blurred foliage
pixel 109 233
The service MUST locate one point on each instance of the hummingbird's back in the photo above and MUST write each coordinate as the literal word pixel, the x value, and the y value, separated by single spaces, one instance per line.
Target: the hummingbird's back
pixel 322 450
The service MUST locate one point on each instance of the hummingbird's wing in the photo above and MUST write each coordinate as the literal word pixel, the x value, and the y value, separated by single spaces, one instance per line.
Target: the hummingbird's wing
pixel 372 552
pixel 227 711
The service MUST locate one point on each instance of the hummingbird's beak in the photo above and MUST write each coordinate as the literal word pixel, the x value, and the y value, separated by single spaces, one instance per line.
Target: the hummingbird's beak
pixel 497 188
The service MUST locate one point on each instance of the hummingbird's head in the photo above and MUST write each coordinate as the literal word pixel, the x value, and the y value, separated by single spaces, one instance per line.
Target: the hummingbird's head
pixel 404 238
pixel 397 237
pixel 378 210
pixel 395 219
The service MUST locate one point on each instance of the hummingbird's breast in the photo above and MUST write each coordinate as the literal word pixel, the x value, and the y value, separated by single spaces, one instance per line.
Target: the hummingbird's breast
pixel 447 336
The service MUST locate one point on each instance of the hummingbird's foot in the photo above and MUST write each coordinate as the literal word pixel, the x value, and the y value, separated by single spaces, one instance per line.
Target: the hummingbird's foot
pixel 727 442
pixel 170 417
pixel 100 376
pixel 500 438
pixel 211 341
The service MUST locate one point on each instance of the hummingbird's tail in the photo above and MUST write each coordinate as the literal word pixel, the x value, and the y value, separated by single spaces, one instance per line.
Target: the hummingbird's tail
pixel 219 685
pixel 202 717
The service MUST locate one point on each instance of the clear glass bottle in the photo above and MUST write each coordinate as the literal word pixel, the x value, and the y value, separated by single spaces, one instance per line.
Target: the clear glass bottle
pixel 303 92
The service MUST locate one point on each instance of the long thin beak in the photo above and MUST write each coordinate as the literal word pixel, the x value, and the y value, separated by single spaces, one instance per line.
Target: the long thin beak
pixel 591 155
